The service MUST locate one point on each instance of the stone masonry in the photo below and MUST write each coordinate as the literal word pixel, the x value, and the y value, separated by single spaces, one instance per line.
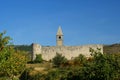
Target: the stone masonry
pixel 68 51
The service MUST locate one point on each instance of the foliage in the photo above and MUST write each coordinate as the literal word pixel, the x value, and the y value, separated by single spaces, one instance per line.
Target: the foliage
pixel 29 74
pixel 25 75
pixel 53 75
pixel 102 67
pixel 4 40
pixel 38 58
pixel 12 62
pixel 58 60
pixel 27 48
pixel 98 67
pixel 80 60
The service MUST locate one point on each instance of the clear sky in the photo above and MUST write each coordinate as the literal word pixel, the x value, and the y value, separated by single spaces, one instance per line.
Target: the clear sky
pixel 82 21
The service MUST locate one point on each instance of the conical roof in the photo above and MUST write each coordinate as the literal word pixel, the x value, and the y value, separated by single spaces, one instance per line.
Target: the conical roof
pixel 59 31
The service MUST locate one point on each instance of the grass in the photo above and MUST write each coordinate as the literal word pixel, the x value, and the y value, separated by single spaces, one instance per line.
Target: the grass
pixel 42 68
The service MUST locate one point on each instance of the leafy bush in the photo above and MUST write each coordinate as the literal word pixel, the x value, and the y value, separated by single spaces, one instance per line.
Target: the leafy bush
pixel 102 67
pixel 38 58
pixel 53 75
pixel 58 60
pixel 80 60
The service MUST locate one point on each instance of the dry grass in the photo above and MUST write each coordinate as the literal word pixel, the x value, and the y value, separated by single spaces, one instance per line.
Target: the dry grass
pixel 40 68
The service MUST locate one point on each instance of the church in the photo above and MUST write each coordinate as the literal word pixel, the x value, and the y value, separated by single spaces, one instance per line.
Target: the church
pixel 70 52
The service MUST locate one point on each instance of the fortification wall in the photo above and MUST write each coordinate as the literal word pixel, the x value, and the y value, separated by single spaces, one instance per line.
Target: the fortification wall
pixel 68 51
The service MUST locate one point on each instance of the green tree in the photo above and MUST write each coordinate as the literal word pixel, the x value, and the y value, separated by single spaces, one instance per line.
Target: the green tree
pixel 38 58
pixel 58 60
pixel 12 62
pixel 4 40
pixel 103 67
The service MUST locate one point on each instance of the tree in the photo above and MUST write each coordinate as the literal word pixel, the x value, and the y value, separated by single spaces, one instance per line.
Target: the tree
pixel 12 62
pixel 4 40
pixel 59 59
pixel 103 67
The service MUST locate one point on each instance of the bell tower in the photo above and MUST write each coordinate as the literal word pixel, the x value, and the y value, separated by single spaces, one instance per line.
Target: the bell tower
pixel 59 37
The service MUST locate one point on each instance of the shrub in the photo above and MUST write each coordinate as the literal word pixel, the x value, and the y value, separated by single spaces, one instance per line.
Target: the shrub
pixel 38 58
pixel 53 75
pixel 80 60
pixel 58 60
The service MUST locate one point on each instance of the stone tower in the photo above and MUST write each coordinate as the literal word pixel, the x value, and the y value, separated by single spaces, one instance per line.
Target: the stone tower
pixel 59 37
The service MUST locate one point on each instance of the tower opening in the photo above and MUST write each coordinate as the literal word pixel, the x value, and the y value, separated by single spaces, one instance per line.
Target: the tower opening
pixel 59 37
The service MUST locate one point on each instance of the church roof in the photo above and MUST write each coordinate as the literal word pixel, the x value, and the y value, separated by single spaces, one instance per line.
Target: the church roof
pixel 59 31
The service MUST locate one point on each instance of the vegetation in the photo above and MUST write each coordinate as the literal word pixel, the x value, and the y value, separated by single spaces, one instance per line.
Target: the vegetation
pixel 13 65
pixel 27 48
pixel 38 58
pixel 59 59
pixel 112 49
pixel 12 62
pixel 98 67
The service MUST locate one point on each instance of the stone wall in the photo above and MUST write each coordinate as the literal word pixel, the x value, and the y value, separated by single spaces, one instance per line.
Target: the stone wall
pixel 68 51
pixel 36 49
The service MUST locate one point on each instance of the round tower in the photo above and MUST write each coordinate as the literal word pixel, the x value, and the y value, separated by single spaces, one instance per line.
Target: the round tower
pixel 36 49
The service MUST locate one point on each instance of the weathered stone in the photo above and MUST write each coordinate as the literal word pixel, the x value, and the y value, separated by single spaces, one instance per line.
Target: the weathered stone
pixel 68 51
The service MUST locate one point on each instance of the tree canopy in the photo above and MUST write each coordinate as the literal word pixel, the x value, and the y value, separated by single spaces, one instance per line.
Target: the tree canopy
pixel 12 62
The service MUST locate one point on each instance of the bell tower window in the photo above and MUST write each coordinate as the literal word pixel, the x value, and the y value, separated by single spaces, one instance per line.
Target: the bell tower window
pixel 59 37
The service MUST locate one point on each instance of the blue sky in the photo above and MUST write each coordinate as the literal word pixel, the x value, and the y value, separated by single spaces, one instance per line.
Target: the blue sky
pixel 82 21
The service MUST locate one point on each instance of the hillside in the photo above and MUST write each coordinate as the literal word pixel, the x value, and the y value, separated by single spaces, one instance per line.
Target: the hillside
pixel 27 48
pixel 114 48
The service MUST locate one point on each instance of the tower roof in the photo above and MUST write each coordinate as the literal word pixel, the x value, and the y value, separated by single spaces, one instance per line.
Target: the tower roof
pixel 59 31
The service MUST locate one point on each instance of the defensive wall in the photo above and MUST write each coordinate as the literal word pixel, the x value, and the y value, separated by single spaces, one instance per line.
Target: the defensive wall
pixel 68 51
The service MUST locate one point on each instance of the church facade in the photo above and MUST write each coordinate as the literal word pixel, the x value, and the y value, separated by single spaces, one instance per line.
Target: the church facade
pixel 68 51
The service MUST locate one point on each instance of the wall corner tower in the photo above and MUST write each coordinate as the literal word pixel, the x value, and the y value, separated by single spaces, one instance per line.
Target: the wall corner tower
pixel 59 37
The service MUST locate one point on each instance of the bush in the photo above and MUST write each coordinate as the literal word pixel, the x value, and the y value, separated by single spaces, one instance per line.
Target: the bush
pixel 38 58
pixel 80 60
pixel 53 75
pixel 58 60
pixel 101 67
pixel 25 74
